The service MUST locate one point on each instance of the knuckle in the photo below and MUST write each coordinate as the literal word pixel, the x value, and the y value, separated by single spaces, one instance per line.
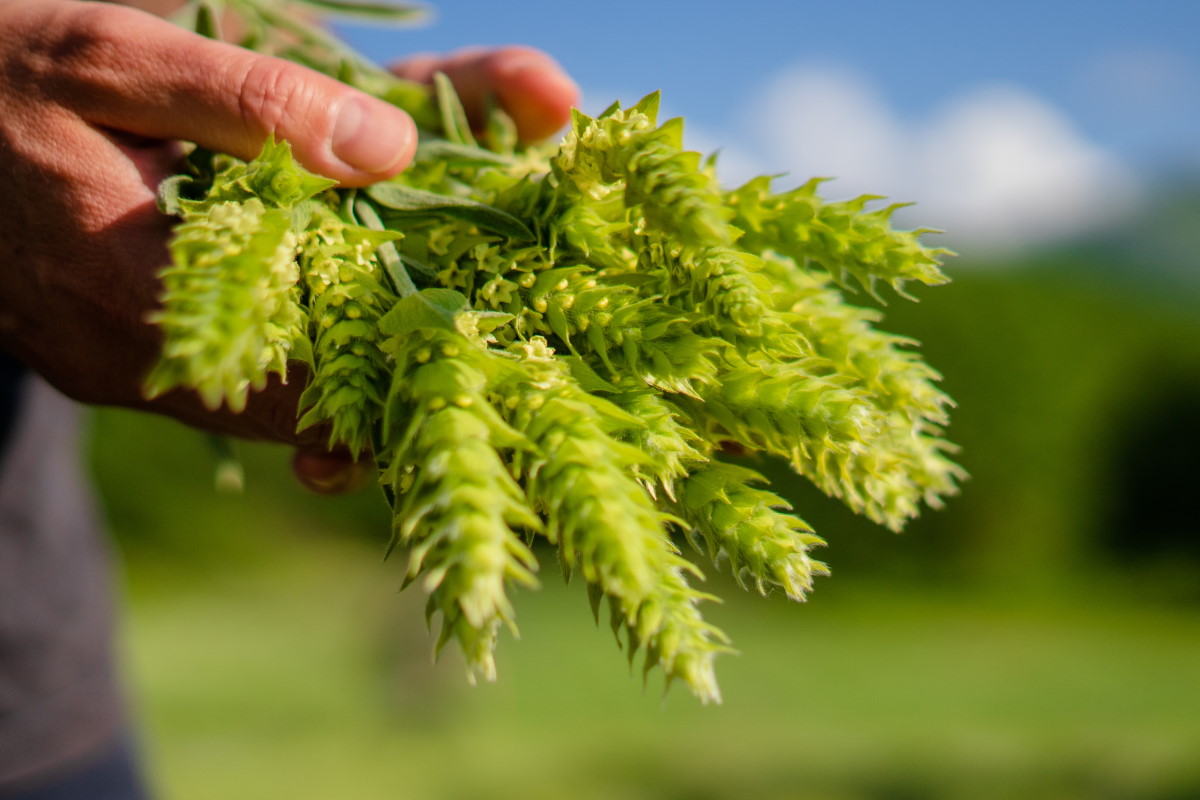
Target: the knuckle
pixel 67 48
pixel 88 39
pixel 271 92
pixel 96 24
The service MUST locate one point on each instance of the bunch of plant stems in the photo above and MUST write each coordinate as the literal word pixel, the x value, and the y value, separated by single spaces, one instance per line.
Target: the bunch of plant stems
pixel 560 343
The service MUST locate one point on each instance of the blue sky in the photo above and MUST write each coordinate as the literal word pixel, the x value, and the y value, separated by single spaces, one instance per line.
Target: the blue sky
pixel 1099 99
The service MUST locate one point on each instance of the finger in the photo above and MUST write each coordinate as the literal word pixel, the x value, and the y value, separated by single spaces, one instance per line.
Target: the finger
pixel 334 472
pixel 129 71
pixel 530 85
pixel 154 159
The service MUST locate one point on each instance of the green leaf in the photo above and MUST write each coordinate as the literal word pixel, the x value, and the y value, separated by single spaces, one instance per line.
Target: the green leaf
pixel 171 193
pixel 302 350
pixel 348 73
pixel 488 321
pixel 422 271
pixel 207 23
pixel 587 377
pixel 275 176
pixel 501 130
pixel 648 105
pixel 580 120
pixel 458 155
pixel 455 125
pixel 429 308
pixel 403 199
pixel 611 110
pixel 405 13
pixel 411 96
pixel 388 256
pixel 672 133
pixel 446 300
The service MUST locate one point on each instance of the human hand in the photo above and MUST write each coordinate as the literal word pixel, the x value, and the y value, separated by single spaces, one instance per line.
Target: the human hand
pixel 529 85
pixel 92 98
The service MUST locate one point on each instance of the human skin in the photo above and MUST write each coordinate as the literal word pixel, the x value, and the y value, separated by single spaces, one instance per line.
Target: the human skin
pixel 93 100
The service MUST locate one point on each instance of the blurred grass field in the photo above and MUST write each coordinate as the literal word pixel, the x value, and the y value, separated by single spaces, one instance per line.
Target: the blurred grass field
pixel 999 649
pixel 313 682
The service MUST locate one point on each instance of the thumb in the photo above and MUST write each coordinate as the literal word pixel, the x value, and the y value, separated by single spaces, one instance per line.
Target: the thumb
pixel 129 71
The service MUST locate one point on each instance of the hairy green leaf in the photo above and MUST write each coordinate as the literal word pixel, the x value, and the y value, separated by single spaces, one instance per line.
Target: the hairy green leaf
pixel 373 11
pixel 405 200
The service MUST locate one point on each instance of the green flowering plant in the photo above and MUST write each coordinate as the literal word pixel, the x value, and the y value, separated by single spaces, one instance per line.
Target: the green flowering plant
pixel 559 342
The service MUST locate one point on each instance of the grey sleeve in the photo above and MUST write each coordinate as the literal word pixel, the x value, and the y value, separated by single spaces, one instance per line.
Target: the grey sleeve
pixel 59 699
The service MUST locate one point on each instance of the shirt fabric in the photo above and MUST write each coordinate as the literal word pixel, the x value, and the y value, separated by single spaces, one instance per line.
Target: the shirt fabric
pixel 59 701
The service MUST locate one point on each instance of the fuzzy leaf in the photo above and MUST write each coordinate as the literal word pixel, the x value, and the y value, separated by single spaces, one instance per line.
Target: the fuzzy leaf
pixel 451 154
pixel 429 308
pixel 171 194
pixel 455 126
pixel 406 200
pixel 207 24
pixel 388 256
pixel 376 12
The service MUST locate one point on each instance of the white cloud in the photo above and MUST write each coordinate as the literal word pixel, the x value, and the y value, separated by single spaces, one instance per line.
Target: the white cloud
pixel 830 123
pixel 1004 166
pixel 996 168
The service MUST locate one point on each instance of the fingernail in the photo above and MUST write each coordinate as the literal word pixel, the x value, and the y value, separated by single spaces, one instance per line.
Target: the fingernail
pixel 331 473
pixel 372 136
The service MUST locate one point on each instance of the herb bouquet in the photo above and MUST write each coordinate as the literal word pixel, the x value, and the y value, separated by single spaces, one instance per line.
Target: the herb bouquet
pixel 559 342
